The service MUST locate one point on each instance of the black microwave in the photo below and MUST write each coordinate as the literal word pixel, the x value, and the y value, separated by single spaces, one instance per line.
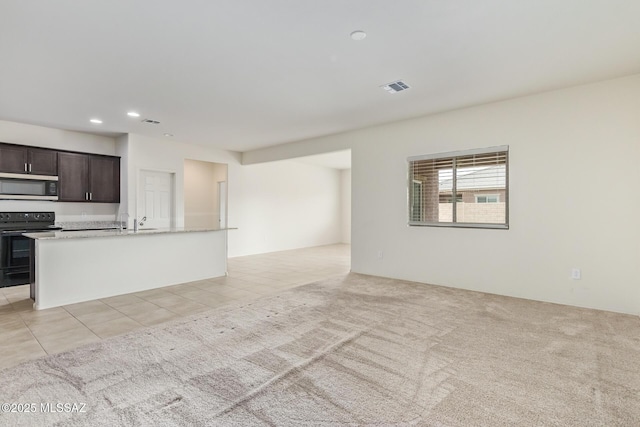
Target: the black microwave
pixel 28 187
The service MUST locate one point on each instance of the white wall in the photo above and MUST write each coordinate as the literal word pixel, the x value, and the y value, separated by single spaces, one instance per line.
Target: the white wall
pixel 573 200
pixel 122 150
pixel 275 206
pixel 146 153
pixel 39 136
pixel 345 205
pixel 285 205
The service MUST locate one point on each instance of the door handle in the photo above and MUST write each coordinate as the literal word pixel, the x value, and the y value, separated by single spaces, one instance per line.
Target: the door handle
pixel 29 167
pixel 90 196
pixel 25 167
pixel 86 196
pixel 16 232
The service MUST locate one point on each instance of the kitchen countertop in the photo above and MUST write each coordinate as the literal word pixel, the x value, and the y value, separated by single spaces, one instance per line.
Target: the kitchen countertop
pixel 57 235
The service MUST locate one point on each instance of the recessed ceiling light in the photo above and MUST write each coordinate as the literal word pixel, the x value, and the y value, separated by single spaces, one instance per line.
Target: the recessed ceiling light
pixel 358 35
pixel 168 135
pixel 96 121
pixel 133 114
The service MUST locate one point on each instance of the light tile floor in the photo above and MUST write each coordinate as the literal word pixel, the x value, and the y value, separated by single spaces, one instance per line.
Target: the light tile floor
pixel 26 333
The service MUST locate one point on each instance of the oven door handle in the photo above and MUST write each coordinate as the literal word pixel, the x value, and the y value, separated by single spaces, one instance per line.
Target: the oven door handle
pixel 13 232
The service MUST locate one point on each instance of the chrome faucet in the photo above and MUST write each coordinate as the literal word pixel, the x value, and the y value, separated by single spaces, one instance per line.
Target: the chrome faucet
pixel 135 223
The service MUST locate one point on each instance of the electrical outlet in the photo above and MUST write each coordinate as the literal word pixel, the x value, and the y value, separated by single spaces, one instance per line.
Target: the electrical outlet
pixel 576 274
pixel 380 254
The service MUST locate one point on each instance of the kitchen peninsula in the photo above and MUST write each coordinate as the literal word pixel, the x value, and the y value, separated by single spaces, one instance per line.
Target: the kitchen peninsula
pixel 78 266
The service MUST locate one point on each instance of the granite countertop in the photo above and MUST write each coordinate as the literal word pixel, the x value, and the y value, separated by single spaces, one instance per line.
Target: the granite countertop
pixel 71 234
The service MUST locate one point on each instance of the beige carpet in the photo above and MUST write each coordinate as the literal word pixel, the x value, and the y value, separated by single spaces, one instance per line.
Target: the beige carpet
pixel 354 350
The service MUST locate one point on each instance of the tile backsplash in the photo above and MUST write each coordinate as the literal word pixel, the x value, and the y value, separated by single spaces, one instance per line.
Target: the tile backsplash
pixel 64 211
pixel 92 224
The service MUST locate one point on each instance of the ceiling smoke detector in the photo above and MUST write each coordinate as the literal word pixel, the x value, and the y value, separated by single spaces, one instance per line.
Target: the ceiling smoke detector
pixel 150 121
pixel 397 86
pixel 358 35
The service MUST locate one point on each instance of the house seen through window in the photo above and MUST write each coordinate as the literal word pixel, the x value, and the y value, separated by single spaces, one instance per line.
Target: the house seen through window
pixel 487 198
pixel 477 178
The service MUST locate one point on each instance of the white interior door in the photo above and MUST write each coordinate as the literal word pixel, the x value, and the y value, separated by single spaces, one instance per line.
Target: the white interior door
pixel 222 204
pixel 155 199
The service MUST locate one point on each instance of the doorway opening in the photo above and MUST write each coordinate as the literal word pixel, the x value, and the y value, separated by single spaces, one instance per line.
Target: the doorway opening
pixel 205 194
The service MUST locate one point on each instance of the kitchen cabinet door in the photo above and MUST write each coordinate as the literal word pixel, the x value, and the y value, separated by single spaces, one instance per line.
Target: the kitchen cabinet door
pixel 28 160
pixel 43 162
pixel 104 179
pixel 13 158
pixel 73 175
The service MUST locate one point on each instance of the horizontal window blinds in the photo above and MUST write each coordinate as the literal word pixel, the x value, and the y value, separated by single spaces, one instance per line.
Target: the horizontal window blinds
pixel 469 175
pixel 477 160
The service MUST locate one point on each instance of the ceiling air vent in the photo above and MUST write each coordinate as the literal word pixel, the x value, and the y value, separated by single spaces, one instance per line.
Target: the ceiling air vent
pixel 150 121
pixel 397 86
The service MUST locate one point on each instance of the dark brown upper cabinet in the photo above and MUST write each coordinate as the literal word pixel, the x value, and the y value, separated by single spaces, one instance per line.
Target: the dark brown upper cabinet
pixel 28 160
pixel 104 179
pixel 73 177
pixel 88 178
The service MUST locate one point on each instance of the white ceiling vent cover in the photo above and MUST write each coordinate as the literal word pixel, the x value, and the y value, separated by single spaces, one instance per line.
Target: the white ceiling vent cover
pixel 397 86
pixel 150 121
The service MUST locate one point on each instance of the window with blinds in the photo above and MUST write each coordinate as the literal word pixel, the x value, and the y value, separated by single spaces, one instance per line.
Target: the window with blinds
pixel 460 189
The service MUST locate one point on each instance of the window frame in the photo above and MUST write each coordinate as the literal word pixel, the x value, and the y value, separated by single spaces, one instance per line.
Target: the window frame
pixel 413 186
pixel 497 197
pixel 453 155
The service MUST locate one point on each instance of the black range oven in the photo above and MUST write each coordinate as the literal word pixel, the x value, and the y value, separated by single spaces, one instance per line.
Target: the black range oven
pixel 15 249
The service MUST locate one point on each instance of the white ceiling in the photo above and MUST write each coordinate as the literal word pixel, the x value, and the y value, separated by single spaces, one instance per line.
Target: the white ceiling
pixel 333 160
pixel 244 74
